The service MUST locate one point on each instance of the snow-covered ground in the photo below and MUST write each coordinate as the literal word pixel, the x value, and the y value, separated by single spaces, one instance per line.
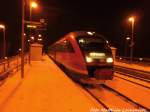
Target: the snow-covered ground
pixel 44 88
pixel 133 66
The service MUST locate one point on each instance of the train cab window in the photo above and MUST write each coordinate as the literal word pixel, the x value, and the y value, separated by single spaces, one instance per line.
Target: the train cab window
pixel 93 43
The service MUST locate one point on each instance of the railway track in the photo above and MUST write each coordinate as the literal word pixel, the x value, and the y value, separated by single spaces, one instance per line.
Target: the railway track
pixel 125 77
pixel 133 76
pixel 139 74
pixel 117 101
pixel 134 89
pixel 97 90
pixel 85 88
pixel 126 98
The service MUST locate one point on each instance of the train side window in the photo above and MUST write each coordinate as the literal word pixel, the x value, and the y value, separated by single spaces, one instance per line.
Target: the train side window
pixel 60 47
pixel 64 46
pixel 68 46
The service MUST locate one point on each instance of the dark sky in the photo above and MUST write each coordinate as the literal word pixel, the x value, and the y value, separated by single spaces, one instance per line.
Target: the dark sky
pixel 107 17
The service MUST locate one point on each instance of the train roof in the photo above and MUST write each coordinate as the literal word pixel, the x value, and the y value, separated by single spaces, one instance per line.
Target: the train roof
pixel 80 33
pixel 83 33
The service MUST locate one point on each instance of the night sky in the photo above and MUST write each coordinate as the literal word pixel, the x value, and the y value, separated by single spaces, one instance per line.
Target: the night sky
pixel 107 17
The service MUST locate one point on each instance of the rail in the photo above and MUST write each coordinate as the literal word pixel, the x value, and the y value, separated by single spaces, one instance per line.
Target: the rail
pixel 143 75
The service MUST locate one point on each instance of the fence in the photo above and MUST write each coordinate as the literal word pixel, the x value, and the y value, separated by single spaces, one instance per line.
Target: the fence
pixel 10 64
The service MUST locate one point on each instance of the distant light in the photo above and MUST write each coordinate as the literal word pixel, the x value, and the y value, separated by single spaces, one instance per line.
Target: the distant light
pixel 39 39
pixel 34 5
pixel 24 34
pixel 81 41
pixel 120 58
pixel 140 59
pixel 40 35
pixel 90 33
pixel 32 38
pixel 128 38
pixel 107 41
pixel 5 57
pixel 19 49
pixel 28 40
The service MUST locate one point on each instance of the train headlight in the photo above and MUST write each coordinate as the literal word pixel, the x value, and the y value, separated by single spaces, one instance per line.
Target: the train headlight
pixel 109 60
pixel 88 59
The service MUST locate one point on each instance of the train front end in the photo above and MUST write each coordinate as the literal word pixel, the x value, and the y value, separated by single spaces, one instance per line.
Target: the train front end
pixel 98 58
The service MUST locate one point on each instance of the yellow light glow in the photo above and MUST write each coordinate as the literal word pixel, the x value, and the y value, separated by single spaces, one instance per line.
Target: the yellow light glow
pixel 2 26
pixel 31 26
pixel 34 5
pixel 109 60
pixel 94 54
pixel 88 59
pixel 131 19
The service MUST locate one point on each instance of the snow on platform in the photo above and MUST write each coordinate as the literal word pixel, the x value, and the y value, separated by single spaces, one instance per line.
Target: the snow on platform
pixel 133 66
pixel 44 88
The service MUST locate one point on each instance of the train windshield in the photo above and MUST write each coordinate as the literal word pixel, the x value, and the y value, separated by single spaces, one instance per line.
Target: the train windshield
pixel 93 43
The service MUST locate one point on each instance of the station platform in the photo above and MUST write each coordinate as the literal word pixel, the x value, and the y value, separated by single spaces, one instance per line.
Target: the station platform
pixel 44 88
pixel 133 66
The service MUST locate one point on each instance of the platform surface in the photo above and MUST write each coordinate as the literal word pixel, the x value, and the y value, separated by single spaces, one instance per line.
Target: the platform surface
pixel 44 88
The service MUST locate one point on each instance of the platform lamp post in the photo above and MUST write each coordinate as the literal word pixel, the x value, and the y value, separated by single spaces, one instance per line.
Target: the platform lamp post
pixel 4 39
pixel 132 20
pixel 22 41
pixel 32 6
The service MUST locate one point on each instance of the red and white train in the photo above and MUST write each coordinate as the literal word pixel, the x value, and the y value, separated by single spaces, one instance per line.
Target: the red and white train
pixel 86 55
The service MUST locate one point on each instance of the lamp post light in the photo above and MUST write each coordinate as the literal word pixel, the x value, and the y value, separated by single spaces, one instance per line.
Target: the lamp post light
pixel 132 20
pixel 4 47
pixel 32 6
